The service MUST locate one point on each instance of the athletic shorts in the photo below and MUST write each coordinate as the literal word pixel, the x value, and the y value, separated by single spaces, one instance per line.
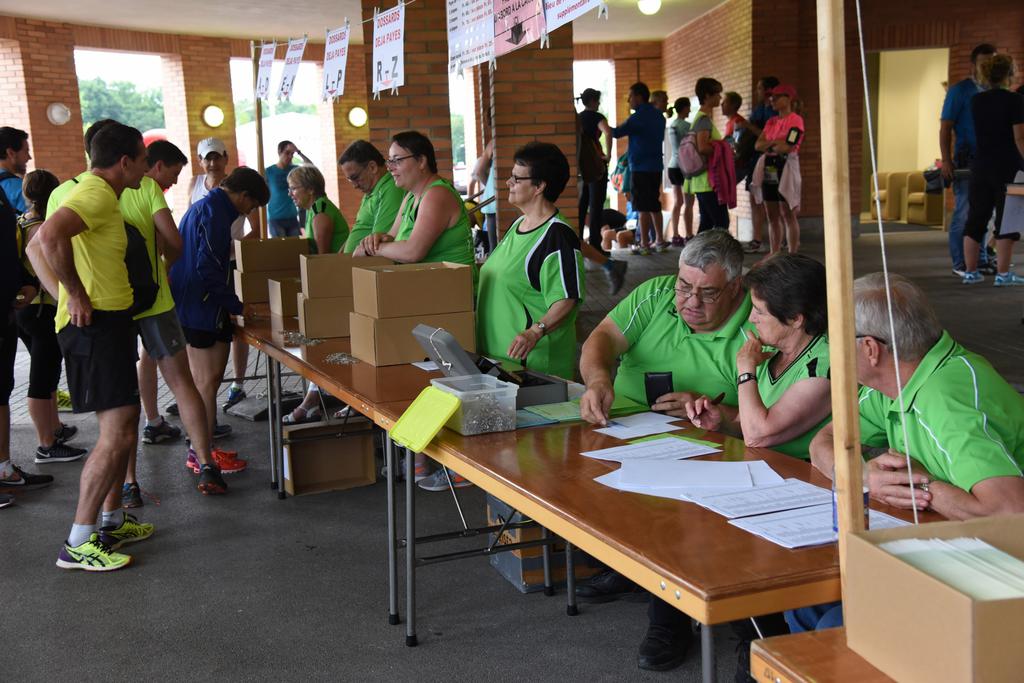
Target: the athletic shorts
pixel 35 325
pixel 161 334
pixel 770 190
pixel 646 190
pixel 675 176
pixel 100 362
pixel 204 339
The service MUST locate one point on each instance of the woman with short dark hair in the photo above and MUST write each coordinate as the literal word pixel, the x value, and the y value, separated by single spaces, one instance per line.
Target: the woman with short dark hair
pixel 784 393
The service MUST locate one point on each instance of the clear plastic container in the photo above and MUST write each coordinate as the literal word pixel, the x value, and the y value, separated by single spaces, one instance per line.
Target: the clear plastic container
pixel 488 404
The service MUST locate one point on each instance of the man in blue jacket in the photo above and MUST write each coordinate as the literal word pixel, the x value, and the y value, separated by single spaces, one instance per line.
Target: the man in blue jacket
pixel 646 131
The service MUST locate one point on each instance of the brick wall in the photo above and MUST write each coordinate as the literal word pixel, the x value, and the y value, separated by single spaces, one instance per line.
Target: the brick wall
pixel 532 99
pixel 337 133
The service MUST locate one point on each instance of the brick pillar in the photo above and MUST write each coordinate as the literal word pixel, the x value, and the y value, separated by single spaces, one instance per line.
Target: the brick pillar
pixel 422 103
pixel 337 133
pixel 532 99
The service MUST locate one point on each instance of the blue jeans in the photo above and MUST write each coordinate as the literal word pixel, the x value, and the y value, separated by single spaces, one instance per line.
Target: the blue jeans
pixel 815 618
pixel 957 221
pixel 287 227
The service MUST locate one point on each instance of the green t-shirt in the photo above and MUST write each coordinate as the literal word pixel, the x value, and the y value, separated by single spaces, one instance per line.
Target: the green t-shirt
pixel 99 249
pixel 661 341
pixel 522 278
pixel 61 191
pixel 454 244
pixel 138 208
pixel 377 211
pixel 701 183
pixel 323 205
pixel 965 424
pixel 812 362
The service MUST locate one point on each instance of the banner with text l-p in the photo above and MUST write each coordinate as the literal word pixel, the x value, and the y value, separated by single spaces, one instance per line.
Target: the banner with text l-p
pixel 335 61
pixel 263 75
pixel 389 49
pixel 292 59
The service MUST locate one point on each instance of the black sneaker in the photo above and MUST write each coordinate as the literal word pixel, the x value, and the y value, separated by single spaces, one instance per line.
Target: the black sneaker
pixel 616 275
pixel 25 481
pixel 6 499
pixel 664 648
pixel 210 480
pixel 607 586
pixel 221 431
pixel 59 452
pixel 988 268
pixel 165 432
pixel 131 496
pixel 171 409
pixel 65 433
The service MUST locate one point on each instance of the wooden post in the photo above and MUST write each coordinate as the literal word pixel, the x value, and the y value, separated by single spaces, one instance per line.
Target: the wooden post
pixel 835 172
pixel 258 114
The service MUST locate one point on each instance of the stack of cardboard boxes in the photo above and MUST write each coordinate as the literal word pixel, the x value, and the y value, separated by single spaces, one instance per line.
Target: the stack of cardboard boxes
pixel 262 260
pixel 391 300
pixel 325 300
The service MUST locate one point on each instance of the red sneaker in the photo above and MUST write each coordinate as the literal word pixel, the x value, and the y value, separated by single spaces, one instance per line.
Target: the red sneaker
pixel 228 461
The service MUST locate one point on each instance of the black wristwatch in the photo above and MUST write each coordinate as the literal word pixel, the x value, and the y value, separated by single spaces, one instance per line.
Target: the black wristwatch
pixel 746 377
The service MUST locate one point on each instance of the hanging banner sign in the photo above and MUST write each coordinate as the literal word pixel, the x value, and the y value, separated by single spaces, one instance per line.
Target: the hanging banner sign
pixel 558 13
pixel 263 75
pixel 517 23
pixel 389 50
pixel 335 61
pixel 292 59
pixel 470 33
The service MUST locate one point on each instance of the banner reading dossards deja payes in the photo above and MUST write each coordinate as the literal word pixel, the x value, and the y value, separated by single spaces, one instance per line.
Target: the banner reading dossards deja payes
pixel 389 49
pixel 335 62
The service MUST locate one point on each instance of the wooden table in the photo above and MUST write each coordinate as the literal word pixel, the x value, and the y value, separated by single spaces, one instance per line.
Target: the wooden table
pixel 814 657
pixel 688 556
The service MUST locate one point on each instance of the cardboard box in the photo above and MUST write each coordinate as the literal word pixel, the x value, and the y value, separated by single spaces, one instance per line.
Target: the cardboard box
pixel 282 294
pixel 389 341
pixel 330 275
pixel 273 254
pixel 916 628
pixel 252 287
pixel 323 318
pixel 524 569
pixel 409 289
pixel 342 459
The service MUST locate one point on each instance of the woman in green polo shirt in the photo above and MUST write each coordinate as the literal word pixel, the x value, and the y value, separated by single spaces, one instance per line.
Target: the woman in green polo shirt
pixel 532 284
pixel 326 228
pixel 432 224
pixel 784 393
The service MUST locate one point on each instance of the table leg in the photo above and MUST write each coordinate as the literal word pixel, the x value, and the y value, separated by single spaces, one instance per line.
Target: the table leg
pixel 709 671
pixel 389 465
pixel 570 581
pixel 277 448
pixel 549 589
pixel 410 549
pixel 272 419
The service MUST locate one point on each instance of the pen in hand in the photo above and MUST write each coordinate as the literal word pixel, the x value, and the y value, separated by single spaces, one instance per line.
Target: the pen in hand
pixel 700 410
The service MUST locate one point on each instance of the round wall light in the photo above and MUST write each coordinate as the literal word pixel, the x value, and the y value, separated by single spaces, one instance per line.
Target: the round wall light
pixel 213 116
pixel 58 113
pixel 648 7
pixel 357 117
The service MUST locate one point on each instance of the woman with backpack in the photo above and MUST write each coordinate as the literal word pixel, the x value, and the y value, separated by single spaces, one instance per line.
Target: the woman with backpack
pixel 694 152
pixel 681 202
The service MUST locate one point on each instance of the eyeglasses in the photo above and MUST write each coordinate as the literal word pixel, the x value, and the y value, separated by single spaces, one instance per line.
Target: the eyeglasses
pixel 394 161
pixel 516 179
pixel 705 296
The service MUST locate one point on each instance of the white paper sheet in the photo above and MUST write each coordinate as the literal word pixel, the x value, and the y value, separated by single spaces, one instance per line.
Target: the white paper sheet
pixel 641 424
pixel 659 474
pixel 761 474
pixel 659 449
pixel 788 495
pixel 805 527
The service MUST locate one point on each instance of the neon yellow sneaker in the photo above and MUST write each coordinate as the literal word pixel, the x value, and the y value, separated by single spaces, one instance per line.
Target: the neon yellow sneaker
pixel 93 556
pixel 63 401
pixel 129 530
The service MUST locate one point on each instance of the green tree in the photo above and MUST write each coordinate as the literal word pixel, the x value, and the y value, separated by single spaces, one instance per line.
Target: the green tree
pixel 245 112
pixel 458 138
pixel 120 100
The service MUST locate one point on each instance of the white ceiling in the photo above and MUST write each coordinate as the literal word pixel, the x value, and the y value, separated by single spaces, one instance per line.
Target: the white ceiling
pixel 266 19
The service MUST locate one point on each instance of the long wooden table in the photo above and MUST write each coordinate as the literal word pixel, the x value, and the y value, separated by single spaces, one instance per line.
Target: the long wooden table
pixel 811 657
pixel 688 556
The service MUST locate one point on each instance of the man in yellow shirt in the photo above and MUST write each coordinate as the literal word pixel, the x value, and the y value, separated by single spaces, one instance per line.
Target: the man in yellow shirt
pixel 83 245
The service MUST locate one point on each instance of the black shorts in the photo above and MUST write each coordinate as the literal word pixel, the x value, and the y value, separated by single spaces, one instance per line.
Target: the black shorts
pixel 646 190
pixel 100 361
pixel 35 327
pixel 675 176
pixel 204 339
pixel 8 354
pixel 770 191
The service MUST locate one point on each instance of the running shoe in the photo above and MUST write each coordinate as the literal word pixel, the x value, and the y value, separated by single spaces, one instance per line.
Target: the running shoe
pixel 94 555
pixel 210 481
pixel 227 461
pixel 164 432
pixel 661 247
pixel 235 395
pixel 959 271
pixel 988 268
pixel 439 482
pixel 678 241
pixel 1010 279
pixel 131 496
pixel 65 433
pixel 615 273
pixel 130 530
pixel 23 481
pixel 972 278
pixel 752 247
pixel 6 499
pixel 58 452
pixel 221 431
pixel 63 401
pixel 172 409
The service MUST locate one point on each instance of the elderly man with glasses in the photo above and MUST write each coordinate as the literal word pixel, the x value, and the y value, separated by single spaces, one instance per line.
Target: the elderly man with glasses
pixel 690 325
pixel 364 167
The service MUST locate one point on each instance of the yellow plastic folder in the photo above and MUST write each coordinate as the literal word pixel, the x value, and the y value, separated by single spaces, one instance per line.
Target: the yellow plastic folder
pixel 422 420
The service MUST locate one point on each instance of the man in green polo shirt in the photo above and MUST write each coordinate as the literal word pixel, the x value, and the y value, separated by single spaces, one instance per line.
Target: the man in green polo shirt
pixel 364 167
pixel 692 325
pixel 964 423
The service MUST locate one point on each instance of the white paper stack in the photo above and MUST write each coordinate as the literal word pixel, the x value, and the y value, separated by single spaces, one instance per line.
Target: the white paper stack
pixel 638 425
pixel 970 565
pixel 805 526
pixel 659 449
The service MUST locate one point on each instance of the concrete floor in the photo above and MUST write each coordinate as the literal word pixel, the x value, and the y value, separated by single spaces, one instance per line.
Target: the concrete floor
pixel 246 587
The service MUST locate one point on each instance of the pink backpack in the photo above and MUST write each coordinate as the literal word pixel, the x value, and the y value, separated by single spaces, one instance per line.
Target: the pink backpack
pixel 691 161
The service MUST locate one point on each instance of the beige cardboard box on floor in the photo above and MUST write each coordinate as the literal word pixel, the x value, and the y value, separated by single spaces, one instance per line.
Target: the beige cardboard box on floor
pixel 389 341
pixel 282 294
pixel 408 289
pixel 342 459
pixel 273 254
pixel 330 275
pixel 323 318
pixel 252 287
pixel 917 629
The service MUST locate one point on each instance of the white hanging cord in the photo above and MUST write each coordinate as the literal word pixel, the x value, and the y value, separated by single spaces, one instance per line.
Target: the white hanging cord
pixel 885 260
